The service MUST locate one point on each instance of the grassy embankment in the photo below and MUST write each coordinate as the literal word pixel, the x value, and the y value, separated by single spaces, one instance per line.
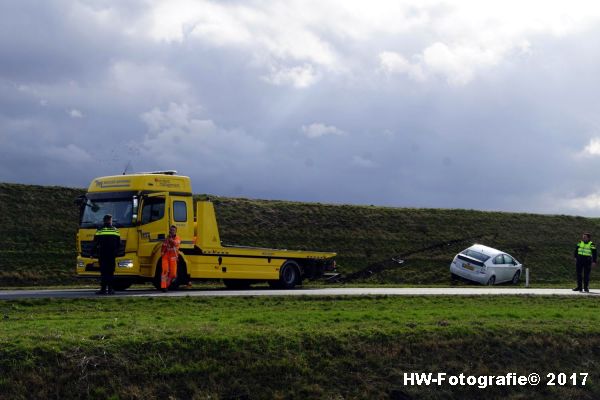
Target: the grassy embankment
pixel 294 347
pixel 38 226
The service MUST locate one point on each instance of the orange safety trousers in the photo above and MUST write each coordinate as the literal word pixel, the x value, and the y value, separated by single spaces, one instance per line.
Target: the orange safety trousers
pixel 170 253
pixel 169 270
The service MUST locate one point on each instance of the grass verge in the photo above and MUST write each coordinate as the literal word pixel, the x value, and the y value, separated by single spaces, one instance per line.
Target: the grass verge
pixel 293 347
pixel 38 225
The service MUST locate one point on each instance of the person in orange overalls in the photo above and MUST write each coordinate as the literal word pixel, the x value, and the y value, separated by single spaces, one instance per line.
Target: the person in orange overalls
pixel 169 253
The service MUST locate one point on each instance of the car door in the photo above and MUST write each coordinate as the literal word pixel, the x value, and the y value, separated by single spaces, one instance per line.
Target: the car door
pixel 511 266
pixel 504 270
pixel 497 268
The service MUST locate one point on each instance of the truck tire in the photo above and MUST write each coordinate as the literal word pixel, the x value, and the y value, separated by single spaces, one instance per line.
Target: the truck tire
pixel 182 276
pixel 289 276
pixel 122 284
pixel 236 284
pixel 181 272
pixel 157 274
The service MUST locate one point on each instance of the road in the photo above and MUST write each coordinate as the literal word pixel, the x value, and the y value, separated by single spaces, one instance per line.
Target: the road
pixel 477 291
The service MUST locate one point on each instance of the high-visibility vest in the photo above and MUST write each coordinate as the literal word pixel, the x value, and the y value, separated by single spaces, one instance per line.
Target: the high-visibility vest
pixel 170 248
pixel 107 231
pixel 107 242
pixel 585 249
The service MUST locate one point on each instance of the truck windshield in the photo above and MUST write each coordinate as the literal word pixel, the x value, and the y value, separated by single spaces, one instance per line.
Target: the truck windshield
pixel 94 211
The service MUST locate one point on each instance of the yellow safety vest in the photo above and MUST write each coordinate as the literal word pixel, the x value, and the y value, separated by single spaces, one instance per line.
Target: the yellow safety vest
pixel 585 249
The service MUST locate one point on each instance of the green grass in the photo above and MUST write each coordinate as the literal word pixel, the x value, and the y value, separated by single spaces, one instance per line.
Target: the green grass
pixel 334 348
pixel 292 347
pixel 38 226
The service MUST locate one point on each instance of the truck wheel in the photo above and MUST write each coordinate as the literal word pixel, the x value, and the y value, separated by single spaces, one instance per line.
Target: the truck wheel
pixel 453 279
pixel 122 284
pixel 157 275
pixel 181 276
pixel 181 272
pixel 289 275
pixel 236 284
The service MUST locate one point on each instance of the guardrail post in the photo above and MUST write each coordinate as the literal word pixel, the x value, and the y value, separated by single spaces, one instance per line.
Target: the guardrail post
pixel 526 277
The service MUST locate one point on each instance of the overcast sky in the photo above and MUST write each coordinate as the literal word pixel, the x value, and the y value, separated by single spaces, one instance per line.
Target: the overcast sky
pixel 490 105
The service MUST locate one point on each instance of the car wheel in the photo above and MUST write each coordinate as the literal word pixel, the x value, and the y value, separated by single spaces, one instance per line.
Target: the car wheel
pixel 491 281
pixel 453 278
pixel 515 279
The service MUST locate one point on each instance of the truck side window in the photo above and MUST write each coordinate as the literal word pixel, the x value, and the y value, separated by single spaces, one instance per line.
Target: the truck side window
pixel 154 210
pixel 179 211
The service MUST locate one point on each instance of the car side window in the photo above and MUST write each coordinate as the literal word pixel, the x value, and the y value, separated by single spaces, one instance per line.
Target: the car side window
pixel 498 259
pixel 508 259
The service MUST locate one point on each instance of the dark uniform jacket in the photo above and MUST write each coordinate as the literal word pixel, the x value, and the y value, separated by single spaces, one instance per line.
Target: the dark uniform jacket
pixel 106 243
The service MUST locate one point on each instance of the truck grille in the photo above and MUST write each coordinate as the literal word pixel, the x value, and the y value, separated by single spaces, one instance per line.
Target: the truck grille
pixel 88 245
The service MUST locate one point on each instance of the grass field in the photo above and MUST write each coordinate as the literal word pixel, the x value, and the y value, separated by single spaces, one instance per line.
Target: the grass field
pixel 235 348
pixel 38 226
pixel 264 348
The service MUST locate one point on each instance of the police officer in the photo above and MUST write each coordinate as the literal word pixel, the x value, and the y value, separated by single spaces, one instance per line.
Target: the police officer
pixel 106 245
pixel 585 258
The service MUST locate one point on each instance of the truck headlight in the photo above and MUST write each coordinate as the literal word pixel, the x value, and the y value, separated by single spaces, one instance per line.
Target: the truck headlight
pixel 80 264
pixel 125 264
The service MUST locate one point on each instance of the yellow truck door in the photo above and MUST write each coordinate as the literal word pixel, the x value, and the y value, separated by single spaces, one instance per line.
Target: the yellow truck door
pixel 182 216
pixel 154 221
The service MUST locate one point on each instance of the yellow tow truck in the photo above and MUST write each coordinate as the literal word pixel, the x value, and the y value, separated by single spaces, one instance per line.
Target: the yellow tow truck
pixel 145 205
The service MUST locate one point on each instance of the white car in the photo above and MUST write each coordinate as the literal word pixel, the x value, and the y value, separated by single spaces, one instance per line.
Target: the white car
pixel 486 265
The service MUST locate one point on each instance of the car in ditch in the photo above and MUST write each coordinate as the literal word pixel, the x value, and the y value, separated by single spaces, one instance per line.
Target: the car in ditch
pixel 485 265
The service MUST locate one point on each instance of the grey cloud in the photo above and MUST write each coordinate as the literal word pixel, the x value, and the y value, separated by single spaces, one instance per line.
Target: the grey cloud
pixel 507 140
pixel 180 137
pixel 48 41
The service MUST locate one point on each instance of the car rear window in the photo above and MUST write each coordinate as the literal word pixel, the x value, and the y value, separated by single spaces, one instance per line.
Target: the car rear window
pixel 475 254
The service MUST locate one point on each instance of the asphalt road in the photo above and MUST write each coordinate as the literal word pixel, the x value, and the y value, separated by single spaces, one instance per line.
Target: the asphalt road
pixel 477 291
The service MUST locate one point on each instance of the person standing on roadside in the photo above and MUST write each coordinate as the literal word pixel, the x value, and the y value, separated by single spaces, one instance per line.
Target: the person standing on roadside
pixel 170 254
pixel 585 258
pixel 107 241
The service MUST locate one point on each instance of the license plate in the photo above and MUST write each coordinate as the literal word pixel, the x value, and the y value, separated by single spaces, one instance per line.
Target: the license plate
pixel 469 267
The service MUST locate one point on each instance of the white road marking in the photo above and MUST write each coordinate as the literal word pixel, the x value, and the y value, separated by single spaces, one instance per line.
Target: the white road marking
pixel 387 291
